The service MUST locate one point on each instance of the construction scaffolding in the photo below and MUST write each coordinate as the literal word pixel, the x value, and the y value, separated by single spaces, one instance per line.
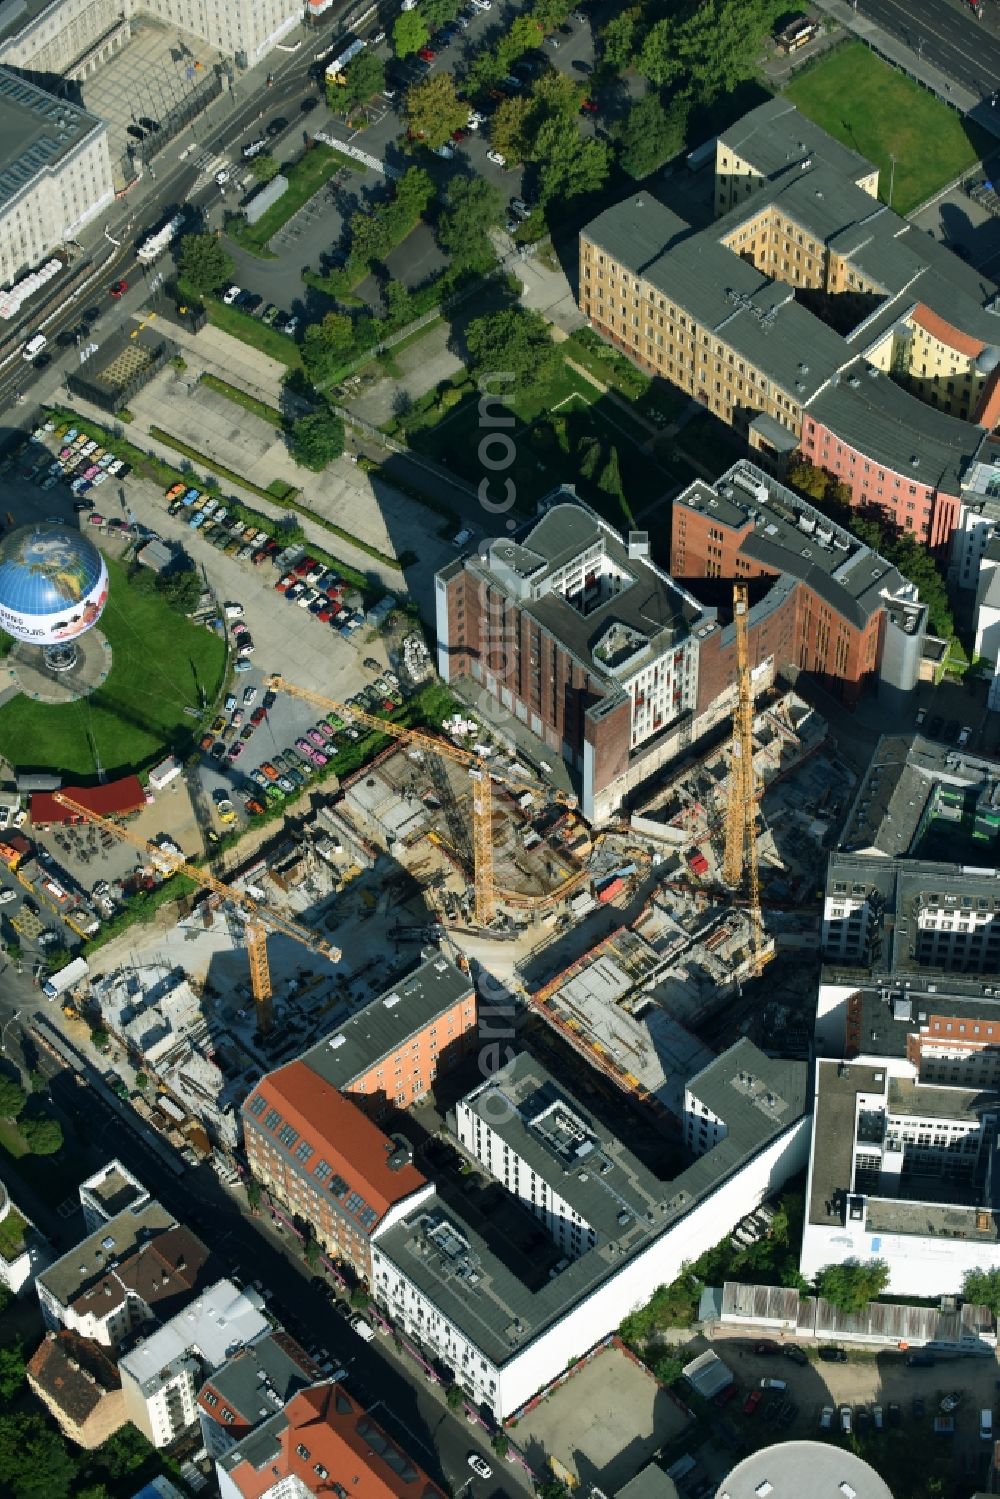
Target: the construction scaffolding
pixel 740 858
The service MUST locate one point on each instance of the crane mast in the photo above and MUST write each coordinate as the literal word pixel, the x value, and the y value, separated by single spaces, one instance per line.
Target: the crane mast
pixel 740 856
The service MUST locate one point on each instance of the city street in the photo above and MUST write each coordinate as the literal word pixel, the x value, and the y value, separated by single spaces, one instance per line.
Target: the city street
pixel 947 35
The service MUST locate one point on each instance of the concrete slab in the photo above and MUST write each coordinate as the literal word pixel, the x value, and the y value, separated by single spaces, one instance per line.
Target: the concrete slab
pixel 604 1423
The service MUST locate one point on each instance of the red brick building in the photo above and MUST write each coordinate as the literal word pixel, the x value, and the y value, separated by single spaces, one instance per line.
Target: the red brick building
pixel 822 602
pixel 327 1162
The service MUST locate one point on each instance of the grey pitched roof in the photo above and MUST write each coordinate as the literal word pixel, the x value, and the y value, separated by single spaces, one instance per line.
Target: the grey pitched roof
pixel 261 1378
pixel 115 1241
pixel 775 136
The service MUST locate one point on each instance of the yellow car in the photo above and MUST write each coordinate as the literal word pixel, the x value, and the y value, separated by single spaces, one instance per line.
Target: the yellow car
pixel 226 811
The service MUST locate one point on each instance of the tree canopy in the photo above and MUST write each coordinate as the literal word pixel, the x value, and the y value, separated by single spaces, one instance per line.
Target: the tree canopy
pixel 409 33
pixel 12 1098
pixel 205 263
pixel 474 208
pixel 568 166
pixel 364 75
pixel 33 1460
pixel 326 345
pixel 851 1286
pixel 434 111
pixel 982 1288
pixel 652 132
pixel 11 1370
pixel 43 1134
pixel 317 439
pixel 264 167
pixel 514 341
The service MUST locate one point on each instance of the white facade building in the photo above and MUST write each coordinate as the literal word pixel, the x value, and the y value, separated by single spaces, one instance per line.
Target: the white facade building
pixel 161 1377
pixel 71 38
pixel 56 173
pixel 24 1252
pixel 109 1192
pixel 618 1232
pixel 903 1155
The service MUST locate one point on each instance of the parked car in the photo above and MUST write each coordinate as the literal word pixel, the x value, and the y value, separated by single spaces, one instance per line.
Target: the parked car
pixel 480 1466
pixel 826 1418
pixel 846 1424
pixel 833 1355
pixel 752 1401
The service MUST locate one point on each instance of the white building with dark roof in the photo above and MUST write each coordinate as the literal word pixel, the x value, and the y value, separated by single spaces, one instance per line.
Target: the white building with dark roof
pixel 620 1231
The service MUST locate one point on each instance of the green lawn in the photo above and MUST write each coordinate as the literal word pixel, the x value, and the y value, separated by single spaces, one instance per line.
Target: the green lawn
pixel 881 113
pixel 306 176
pixel 161 665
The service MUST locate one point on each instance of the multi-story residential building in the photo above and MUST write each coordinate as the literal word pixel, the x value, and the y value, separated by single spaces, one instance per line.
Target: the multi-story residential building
pixel 56 173
pixel 835 609
pixel 137 1266
pixel 576 634
pixel 810 316
pixel 79 1385
pixel 323 1442
pixel 617 1229
pixel 24 1252
pixel 321 1156
pixel 109 1192
pixel 161 1375
pixel 253 1385
pixel 389 1054
pixel 908 1081
pixel 73 38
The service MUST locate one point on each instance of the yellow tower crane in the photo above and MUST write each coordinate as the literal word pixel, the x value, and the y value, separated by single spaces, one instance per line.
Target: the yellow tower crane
pixel 259 917
pixel 740 857
pixel 482 788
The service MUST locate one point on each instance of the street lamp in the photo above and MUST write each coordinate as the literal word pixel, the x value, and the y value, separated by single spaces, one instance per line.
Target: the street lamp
pixel 892 176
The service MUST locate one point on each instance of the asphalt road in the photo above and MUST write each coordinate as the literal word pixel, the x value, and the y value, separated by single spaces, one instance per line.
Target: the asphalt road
pixel 947 34
pixel 389 1385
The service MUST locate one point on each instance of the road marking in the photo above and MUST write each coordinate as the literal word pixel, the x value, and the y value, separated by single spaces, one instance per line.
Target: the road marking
pixel 913 26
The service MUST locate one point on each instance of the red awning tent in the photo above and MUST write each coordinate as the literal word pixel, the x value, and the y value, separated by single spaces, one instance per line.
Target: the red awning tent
pixel 115 799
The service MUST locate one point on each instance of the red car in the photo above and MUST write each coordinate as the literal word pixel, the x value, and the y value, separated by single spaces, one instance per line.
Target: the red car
pixel 752 1401
pixel 301 568
pixel 458 135
pixel 258 716
pixel 427 54
pixel 588 107
pixel 119 289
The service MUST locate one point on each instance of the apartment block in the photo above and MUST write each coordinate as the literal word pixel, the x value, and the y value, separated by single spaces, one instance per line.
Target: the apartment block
pixel 162 1374
pixel 904 1139
pixel 56 177
pixel 253 1385
pixel 323 1158
pixel 823 603
pixel 809 316
pixel 24 1252
pixel 574 632
pixel 505 1328
pixel 78 1384
pixel 137 1266
pixel 323 1442
pixel 389 1054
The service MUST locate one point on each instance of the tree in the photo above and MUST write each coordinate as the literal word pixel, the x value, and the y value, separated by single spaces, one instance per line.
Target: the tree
pixel 439 12
pixel 123 1452
pixel 253 1195
pixel 33 1460
pixel 365 75
pixel 522 34
pixel 414 191
pixel 455 1397
pixel 311 1252
pixel 142 1081
pixel 851 1286
pixel 181 590
pixel 567 165
pixel 618 39
pixel 12 1098
pixel 982 1288
pixel 360 1299
pixel 409 33
pixel 807 478
pixel 658 60
pixel 11 1371
pixel 667 1368
pixel 550 13
pixel 44 1135
pixel 317 439
pixel 370 238
pixel 204 262
pixel 434 111
pixel 512 131
pixel 652 133
pixel 719 43
pixel 557 97
pixel 99 1037
pixel 326 345
pixel 474 208
pixel 516 342
pixel 263 167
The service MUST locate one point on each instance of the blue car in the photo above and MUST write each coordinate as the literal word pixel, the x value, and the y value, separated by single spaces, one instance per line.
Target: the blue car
pixel 191 496
pixel 197 520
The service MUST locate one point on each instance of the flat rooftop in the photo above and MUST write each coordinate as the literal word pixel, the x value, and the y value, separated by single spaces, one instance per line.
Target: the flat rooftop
pixel 835 1111
pixel 211 1328
pixel 895 799
pixel 790 536
pixel 38 132
pixel 264 1375
pixel 377 1031
pixel 114 1189
pixel 455 1266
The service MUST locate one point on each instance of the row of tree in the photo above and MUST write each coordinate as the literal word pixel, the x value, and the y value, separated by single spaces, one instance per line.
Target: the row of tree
pixel 40 1130
pixel 709 47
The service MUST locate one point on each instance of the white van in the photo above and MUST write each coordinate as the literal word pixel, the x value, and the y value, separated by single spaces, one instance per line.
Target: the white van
pixel 986 1425
pixel 34 347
